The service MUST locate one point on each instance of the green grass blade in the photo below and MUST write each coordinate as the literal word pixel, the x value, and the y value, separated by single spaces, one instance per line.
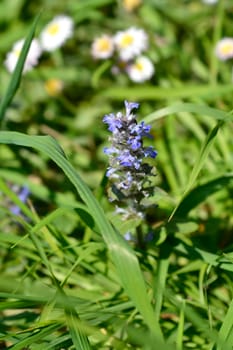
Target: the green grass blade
pixel 16 76
pixel 189 107
pixel 180 331
pixel 199 163
pixel 80 340
pixel 160 280
pixel 164 160
pixel 226 329
pixel 201 193
pixel 38 335
pixel 175 153
pixel 158 93
pixel 122 254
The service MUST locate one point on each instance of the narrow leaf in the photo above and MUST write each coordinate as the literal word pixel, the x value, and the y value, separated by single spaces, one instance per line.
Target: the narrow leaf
pixel 16 76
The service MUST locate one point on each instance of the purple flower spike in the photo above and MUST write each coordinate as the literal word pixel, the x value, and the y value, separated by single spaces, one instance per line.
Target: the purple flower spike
pixel 129 175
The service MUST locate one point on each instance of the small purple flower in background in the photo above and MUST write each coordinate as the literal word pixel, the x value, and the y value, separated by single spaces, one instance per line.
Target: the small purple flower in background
pixel 130 176
pixel 23 196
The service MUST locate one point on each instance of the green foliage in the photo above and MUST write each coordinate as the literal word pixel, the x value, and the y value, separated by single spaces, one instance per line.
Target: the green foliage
pixel 69 278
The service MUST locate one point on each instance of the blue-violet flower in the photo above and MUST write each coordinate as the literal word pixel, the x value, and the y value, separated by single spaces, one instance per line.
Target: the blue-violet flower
pixel 23 196
pixel 130 176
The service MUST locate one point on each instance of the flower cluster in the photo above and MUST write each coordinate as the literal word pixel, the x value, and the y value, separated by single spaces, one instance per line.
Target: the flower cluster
pixel 129 174
pixel 53 36
pixel 224 49
pixel 129 46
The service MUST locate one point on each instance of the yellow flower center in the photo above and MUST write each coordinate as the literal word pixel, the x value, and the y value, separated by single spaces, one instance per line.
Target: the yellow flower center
pixel 139 66
pixel 226 48
pixel 53 87
pixel 53 29
pixel 130 5
pixel 126 40
pixel 103 45
pixel 17 52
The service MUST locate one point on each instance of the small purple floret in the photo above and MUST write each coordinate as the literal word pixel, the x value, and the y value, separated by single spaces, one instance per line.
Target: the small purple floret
pixel 129 106
pixel 23 196
pixel 113 123
pixel 135 143
pixel 150 152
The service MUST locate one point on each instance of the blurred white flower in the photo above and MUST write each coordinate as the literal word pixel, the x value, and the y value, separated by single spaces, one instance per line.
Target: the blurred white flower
pixel 32 57
pixel 56 32
pixel 210 2
pixel 102 47
pixel 141 70
pixel 224 49
pixel 131 43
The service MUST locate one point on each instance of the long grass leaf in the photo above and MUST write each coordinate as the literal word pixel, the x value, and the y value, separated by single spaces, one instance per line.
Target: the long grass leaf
pixel 122 254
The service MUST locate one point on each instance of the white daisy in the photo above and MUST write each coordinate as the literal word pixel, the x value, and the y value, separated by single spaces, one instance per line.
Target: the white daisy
pixel 102 47
pixel 131 43
pixel 56 32
pixel 224 49
pixel 141 70
pixel 32 57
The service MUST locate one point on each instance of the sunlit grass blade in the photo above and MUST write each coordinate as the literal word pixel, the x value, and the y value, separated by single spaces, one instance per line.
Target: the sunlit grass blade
pixel 122 254
pixel 16 76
